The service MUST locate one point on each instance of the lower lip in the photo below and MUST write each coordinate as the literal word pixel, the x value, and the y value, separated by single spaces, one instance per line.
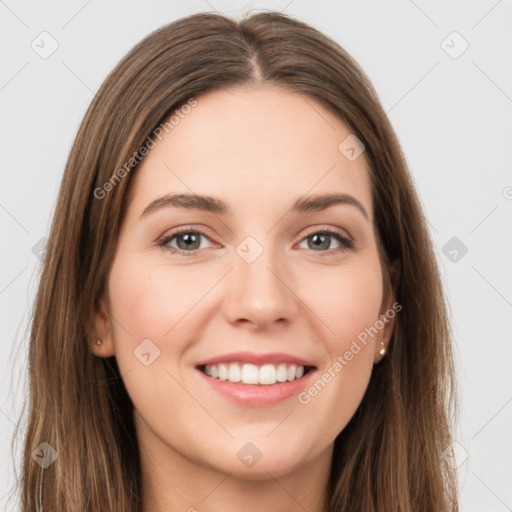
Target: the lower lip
pixel 257 395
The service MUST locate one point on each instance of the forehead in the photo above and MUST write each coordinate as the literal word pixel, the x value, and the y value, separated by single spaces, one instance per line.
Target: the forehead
pixel 254 146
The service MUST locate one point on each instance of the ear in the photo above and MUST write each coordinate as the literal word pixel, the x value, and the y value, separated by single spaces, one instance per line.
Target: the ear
pixel 388 311
pixel 102 331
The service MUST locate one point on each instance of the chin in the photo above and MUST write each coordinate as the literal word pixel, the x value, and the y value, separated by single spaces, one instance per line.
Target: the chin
pixel 259 459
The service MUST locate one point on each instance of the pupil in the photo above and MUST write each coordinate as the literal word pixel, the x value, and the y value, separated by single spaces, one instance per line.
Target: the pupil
pixel 189 239
pixel 321 243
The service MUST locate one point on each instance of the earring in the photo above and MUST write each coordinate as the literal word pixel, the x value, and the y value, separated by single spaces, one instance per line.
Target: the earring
pixel 382 351
pixel 98 342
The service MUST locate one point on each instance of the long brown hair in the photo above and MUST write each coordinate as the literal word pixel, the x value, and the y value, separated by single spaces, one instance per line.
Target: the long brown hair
pixel 390 455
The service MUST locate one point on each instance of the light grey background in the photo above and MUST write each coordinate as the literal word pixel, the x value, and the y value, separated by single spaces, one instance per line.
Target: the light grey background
pixel 453 118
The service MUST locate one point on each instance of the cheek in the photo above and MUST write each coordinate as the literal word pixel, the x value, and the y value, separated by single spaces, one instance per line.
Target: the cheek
pixel 155 302
pixel 149 307
pixel 137 307
pixel 148 300
pixel 347 302
pixel 348 305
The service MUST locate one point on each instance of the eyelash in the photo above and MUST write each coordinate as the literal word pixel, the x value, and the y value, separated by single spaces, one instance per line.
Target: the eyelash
pixel 346 242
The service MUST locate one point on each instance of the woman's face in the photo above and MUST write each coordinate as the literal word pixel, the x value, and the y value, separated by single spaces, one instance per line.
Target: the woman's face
pixel 257 285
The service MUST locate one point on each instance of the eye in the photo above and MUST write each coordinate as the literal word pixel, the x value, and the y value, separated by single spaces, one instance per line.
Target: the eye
pixel 184 241
pixel 188 241
pixel 321 241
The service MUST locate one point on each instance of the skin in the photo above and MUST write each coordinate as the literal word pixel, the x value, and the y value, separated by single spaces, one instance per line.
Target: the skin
pixel 258 149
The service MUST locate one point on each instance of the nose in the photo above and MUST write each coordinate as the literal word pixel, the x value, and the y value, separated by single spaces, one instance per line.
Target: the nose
pixel 260 293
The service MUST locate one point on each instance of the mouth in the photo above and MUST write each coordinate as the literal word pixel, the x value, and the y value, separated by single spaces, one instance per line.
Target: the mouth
pixel 252 379
pixel 256 375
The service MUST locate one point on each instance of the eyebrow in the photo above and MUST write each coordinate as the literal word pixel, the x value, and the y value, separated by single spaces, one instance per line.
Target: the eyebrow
pixel 303 204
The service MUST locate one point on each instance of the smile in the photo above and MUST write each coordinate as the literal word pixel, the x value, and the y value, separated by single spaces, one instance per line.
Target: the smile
pixel 256 379
pixel 246 373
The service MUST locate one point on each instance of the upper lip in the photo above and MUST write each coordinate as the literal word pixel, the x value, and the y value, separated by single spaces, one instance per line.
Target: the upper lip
pixel 256 358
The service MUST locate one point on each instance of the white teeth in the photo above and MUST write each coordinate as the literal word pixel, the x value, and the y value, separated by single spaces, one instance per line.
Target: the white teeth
pixel 281 374
pixel 250 374
pixel 267 374
pixel 223 372
pixel 234 373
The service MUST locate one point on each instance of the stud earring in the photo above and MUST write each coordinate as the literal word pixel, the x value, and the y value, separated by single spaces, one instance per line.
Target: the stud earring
pixel 382 351
pixel 98 342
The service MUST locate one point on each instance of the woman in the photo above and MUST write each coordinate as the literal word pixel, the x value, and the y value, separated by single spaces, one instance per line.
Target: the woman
pixel 240 306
